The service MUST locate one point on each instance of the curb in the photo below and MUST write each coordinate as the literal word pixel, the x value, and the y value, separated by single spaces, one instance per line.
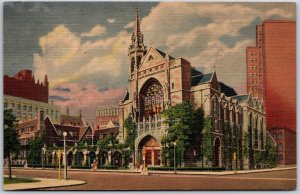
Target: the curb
pixel 80 182
pixel 224 173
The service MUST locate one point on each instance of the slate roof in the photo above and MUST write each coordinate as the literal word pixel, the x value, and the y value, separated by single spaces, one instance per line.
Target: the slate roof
pixel 195 72
pixel 71 120
pixel 164 54
pixel 227 90
pixel 126 97
pixel 241 97
pixel 30 123
pixel 202 78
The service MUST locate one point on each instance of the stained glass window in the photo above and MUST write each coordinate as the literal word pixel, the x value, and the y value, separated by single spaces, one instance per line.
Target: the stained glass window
pixel 153 99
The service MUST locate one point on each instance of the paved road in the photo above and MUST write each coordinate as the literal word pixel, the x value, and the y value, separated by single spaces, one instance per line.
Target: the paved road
pixel 276 180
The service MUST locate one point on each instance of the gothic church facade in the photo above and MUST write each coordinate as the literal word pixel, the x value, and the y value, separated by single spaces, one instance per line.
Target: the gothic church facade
pixel 158 81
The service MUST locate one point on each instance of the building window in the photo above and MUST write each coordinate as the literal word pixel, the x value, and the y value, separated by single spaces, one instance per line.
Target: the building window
pixel 173 85
pixel 280 157
pixel 30 108
pixel 5 104
pixel 18 107
pixel 150 58
pixel 13 105
pixel 24 107
pixel 280 146
pixel 280 135
pixel 36 109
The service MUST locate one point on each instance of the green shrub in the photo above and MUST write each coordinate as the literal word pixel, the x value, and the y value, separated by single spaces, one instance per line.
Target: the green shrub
pixel 81 167
pixel 17 165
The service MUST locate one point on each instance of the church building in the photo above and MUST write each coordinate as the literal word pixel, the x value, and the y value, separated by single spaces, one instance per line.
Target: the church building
pixel 158 81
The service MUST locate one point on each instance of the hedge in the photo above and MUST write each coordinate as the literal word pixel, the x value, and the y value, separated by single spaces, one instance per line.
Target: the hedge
pixel 81 167
pixel 45 166
pixel 17 165
pixel 186 169
pixel 109 167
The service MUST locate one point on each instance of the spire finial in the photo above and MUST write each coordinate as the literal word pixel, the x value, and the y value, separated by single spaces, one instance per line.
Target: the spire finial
pixel 137 23
pixel 214 67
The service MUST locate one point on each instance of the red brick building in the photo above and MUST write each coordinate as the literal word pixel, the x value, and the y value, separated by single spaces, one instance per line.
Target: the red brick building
pixel 23 85
pixel 286 145
pixel 271 71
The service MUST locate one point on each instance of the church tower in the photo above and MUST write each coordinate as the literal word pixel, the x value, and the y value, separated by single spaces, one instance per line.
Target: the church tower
pixel 136 51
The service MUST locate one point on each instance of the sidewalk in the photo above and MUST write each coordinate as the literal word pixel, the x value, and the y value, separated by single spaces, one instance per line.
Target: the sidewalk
pixel 182 172
pixel 44 183
pixel 222 173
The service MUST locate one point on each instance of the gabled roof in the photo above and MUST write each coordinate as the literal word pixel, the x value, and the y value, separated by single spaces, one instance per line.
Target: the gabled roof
pixel 31 123
pixel 164 54
pixel 228 91
pixel 195 72
pixel 126 96
pixel 202 78
pixel 71 120
pixel 83 131
pixel 241 97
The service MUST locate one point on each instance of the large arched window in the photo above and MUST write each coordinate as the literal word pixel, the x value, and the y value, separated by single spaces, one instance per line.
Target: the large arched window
pixel 151 98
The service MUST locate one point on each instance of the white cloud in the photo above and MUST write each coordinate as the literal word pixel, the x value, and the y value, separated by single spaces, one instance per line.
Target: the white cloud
pixel 111 20
pixel 193 31
pixel 97 30
pixel 129 25
pixel 65 59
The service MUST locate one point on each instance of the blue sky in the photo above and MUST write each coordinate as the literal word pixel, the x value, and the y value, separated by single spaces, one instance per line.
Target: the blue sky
pixel 82 47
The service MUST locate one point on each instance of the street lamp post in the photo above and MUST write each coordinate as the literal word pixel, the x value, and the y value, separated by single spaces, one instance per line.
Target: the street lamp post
pixel 43 159
pixel 65 157
pixel 174 157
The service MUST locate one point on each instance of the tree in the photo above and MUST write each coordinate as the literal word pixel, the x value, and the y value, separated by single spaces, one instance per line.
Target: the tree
pixel 270 155
pixel 130 133
pixel 11 143
pixel 185 124
pixel 207 150
pixel 35 146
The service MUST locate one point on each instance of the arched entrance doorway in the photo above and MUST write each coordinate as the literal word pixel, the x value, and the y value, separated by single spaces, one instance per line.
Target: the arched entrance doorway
pixel 70 159
pixel 217 152
pixel 117 159
pixel 103 158
pixel 152 148
pixel 79 158
pixel 92 157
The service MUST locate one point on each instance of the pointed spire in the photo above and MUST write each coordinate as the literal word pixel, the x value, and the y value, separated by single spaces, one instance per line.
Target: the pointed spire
pixel 167 57
pixel 68 113
pixel 137 29
pixel 46 80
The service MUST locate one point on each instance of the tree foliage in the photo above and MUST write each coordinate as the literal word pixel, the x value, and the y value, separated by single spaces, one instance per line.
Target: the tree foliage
pixel 185 124
pixel 35 146
pixel 207 139
pixel 130 133
pixel 11 143
pixel 270 155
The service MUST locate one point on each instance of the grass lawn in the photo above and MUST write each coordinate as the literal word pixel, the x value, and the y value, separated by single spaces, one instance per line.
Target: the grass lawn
pixel 18 180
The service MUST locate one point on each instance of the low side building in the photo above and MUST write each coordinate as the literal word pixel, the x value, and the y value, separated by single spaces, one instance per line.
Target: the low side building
pixel 26 109
pixel 286 145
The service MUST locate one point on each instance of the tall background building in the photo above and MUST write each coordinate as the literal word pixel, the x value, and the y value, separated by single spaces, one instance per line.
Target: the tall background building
pixel 271 71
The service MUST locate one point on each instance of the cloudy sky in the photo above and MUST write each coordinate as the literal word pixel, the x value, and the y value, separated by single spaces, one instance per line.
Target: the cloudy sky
pixel 82 47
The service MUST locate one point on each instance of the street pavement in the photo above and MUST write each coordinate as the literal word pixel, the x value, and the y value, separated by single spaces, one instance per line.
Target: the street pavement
pixel 273 180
